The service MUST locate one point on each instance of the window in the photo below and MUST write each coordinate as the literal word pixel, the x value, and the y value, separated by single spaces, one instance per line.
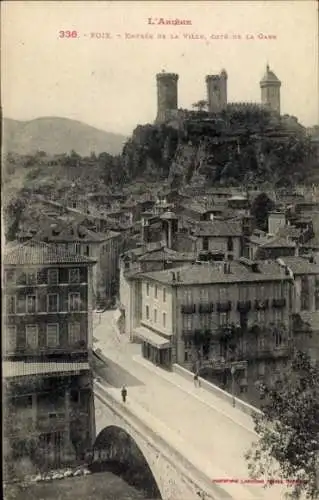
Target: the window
pixel 31 304
pixel 52 302
pixel 261 368
pixel 261 342
pixel 261 316
pixel 278 339
pixel 74 275
pixel 31 278
pixel 74 302
pixel 203 295
pixel 155 291
pixel 10 277
pixel 31 336
pixel 205 243
pixel 52 335
pixel 222 294
pixel 41 277
pixel 11 304
pixel 11 338
pixel 187 322
pixel 277 291
pixel 77 249
pixel 147 312
pixel 230 244
pixel 155 315
pixel 164 320
pixel 188 298
pixel 52 276
pixel 21 304
pixel 74 396
pixel 187 348
pixel 22 279
pixel 317 294
pixel 164 294
pixel 277 315
pixel 87 250
pixel 74 332
pixel 223 319
pixel 147 288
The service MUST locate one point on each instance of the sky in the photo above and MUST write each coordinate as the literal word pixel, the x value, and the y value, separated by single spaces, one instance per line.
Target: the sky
pixel 110 83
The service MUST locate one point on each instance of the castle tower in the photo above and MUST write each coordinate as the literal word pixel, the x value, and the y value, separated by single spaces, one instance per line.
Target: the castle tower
pixel 216 91
pixel 167 95
pixel 270 90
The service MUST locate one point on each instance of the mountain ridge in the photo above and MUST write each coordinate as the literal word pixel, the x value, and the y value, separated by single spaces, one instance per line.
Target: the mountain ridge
pixel 58 135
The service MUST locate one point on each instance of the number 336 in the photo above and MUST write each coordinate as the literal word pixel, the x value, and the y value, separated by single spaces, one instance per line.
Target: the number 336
pixel 68 34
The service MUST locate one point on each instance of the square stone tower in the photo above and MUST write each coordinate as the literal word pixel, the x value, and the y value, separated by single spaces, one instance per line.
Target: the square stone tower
pixel 216 91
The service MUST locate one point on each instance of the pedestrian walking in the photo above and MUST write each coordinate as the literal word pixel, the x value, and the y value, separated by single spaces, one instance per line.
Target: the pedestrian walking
pixel 124 393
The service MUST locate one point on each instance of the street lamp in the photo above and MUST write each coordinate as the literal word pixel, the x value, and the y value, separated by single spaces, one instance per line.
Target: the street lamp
pixel 232 371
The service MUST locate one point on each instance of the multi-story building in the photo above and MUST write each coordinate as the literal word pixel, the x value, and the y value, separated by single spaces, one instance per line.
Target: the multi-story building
pixel 104 248
pixel 209 314
pixel 225 236
pixel 151 257
pixel 47 333
pixel 305 304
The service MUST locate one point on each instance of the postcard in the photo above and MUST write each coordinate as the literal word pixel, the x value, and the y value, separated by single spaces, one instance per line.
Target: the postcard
pixel 160 253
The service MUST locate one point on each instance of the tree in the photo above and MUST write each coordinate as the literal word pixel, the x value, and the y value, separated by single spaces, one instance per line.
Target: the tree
pixel 260 209
pixel 13 214
pixel 288 430
pixel 200 105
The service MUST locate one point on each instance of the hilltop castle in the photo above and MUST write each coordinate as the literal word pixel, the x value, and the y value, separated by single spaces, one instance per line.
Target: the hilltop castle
pixel 167 94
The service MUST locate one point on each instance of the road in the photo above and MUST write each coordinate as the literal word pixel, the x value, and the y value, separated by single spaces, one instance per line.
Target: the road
pixel 218 434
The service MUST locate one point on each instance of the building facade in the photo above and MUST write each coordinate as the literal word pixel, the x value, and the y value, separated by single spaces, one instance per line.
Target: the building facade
pixel 104 248
pixel 47 332
pixel 209 315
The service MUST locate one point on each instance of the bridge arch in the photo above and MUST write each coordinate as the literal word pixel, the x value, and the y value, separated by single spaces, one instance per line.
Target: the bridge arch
pixel 115 450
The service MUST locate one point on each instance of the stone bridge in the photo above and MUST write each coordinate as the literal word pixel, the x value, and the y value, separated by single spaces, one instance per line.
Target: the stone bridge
pixel 128 435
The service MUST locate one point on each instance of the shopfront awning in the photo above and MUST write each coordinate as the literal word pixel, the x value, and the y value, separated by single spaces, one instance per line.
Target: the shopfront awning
pixel 152 338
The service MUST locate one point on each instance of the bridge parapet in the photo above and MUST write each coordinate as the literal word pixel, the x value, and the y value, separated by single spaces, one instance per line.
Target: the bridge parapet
pixel 212 388
pixel 175 475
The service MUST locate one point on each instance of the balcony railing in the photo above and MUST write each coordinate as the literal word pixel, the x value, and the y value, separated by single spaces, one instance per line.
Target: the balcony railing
pixel 224 306
pixel 243 305
pixel 188 309
pixel 187 334
pixel 19 351
pixel 261 304
pixel 279 303
pixel 46 424
pixel 269 352
pixel 206 308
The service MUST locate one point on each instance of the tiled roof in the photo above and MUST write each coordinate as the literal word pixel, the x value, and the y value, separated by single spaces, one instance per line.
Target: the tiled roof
pixel 167 254
pixel 300 265
pixel 36 252
pixel 70 232
pixel 219 228
pixel 214 273
pixel 272 242
pixel 25 369
pixel 278 241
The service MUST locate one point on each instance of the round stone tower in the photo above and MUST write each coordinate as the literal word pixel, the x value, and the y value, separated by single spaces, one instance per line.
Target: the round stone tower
pixel 270 90
pixel 167 95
